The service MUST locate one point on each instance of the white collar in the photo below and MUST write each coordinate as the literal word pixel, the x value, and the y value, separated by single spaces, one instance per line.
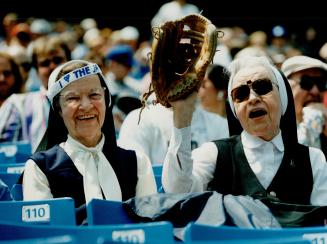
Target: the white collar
pixel 77 145
pixel 250 141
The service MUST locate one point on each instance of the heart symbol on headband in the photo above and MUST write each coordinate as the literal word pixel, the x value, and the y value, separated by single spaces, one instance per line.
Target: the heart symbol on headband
pixel 66 77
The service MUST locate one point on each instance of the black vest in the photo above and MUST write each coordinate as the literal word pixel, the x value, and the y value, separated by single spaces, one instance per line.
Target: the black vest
pixel 292 183
pixel 65 180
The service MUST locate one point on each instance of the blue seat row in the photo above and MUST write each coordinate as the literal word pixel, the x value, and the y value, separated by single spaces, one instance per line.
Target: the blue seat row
pixel 56 217
pixel 15 152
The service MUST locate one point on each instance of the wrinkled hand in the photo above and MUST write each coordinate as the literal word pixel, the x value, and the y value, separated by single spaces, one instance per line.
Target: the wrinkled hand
pixel 183 110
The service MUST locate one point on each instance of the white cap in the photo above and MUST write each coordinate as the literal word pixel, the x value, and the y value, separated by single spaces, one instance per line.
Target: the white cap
pixel 298 63
pixel 41 26
pixel 129 33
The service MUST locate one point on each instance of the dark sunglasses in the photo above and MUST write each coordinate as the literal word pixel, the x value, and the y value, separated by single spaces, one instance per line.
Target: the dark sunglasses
pixel 55 60
pixel 307 82
pixel 260 87
pixel 6 73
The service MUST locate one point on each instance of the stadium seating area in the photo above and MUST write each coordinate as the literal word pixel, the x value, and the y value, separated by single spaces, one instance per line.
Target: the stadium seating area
pixel 53 221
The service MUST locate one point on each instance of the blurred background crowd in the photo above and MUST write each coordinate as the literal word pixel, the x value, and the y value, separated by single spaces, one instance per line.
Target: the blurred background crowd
pixel 118 39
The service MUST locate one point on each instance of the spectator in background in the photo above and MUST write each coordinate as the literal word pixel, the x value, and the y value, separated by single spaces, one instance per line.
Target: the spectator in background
pixel 10 78
pixel 8 22
pixel 39 28
pixel 173 10
pixel 308 79
pixel 129 35
pixel 24 62
pixel 122 85
pixel 25 116
pixel 81 158
pixel 21 35
pixel 151 135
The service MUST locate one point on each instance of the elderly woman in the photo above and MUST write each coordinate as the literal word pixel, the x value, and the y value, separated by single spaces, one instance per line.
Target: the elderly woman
pixel 265 160
pixel 81 158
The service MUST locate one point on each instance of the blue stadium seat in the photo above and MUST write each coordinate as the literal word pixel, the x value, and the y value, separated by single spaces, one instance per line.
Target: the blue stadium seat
pixel 49 212
pixel 157 169
pixel 158 181
pixel 229 234
pixel 17 192
pixel 157 232
pixel 13 168
pixel 9 179
pixel 15 152
pixel 104 212
pixel 62 239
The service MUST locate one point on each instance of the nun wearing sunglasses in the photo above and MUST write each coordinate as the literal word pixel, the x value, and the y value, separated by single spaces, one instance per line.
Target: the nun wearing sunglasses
pixel 78 156
pixel 262 158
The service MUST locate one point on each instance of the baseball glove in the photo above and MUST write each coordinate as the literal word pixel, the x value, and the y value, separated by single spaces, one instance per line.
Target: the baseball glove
pixel 181 53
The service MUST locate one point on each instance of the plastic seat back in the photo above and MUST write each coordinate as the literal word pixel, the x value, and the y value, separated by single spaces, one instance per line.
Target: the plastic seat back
pixel 136 233
pixel 103 212
pixel 229 234
pixel 57 211
pixel 9 179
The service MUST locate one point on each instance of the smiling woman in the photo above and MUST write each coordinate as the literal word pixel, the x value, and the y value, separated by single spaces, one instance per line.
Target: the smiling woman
pixel 78 156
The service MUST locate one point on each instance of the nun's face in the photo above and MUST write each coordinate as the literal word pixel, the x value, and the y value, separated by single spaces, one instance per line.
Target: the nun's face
pixel 83 109
pixel 259 114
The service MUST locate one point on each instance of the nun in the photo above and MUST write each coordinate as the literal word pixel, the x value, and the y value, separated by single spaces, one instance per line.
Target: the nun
pixel 262 156
pixel 78 156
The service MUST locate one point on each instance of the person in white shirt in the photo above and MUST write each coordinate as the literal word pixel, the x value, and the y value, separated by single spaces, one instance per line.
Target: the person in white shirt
pixel 265 160
pixel 78 157
pixel 152 133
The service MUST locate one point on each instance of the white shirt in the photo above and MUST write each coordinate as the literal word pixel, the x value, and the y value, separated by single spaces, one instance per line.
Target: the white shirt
pixel 36 185
pixel 153 133
pixel 191 171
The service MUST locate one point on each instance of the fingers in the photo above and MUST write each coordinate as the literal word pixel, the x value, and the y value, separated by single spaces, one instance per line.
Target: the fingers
pixel 194 35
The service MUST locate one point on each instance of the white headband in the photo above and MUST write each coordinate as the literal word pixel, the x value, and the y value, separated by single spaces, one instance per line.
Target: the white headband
pixel 56 86
pixel 281 87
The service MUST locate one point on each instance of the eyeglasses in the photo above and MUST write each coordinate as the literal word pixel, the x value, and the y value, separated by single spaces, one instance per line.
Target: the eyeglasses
pixel 6 73
pixel 56 60
pixel 307 82
pixel 260 87
pixel 74 99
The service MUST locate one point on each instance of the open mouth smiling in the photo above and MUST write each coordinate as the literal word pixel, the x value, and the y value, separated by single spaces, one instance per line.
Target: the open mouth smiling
pixel 86 117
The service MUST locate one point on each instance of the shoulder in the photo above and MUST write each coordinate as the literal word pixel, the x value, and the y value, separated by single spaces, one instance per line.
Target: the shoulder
pixel 50 153
pixel 316 156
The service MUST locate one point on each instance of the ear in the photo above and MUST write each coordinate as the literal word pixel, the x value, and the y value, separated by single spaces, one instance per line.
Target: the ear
pixel 60 112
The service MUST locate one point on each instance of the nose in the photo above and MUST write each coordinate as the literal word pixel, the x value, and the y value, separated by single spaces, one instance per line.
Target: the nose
pixel 315 89
pixel 2 77
pixel 85 102
pixel 253 95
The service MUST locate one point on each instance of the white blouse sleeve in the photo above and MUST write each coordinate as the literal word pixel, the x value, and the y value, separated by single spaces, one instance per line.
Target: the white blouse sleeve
pixel 35 183
pixel 146 184
pixel 185 170
pixel 319 172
